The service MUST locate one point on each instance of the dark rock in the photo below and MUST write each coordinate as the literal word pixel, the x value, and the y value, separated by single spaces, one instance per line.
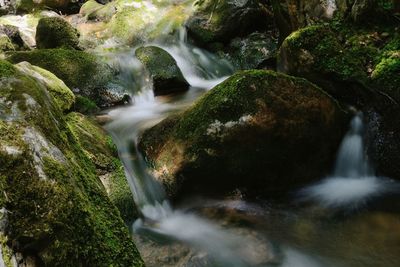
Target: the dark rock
pixel 219 21
pixel 255 51
pixel 261 131
pixel 163 69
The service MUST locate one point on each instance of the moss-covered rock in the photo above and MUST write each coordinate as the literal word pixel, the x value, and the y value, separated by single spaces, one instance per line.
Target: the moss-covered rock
pixel 163 69
pixel 129 24
pixel 85 105
pixel 100 149
pixel 220 21
pixel 386 74
pixel 65 6
pixel 82 72
pixel 259 130
pixel 55 32
pixel 59 212
pixel 6 44
pixel 315 53
pixel 93 10
pixel 62 95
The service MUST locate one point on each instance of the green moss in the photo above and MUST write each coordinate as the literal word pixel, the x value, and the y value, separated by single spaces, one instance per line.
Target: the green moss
pixel 55 32
pixel 6 69
pixel 327 53
pixel 85 105
pixel 64 216
pixel 386 75
pixel 100 149
pixel 6 251
pixel 128 25
pixel 158 62
pixel 95 11
pixel 163 69
pixel 6 44
pixel 79 70
pixel 243 128
pixel 120 194
pixel 62 95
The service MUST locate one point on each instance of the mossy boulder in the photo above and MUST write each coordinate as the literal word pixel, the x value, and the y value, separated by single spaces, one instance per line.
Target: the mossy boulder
pixel 93 10
pixel 163 69
pixel 315 53
pixel 386 74
pixel 62 95
pixel 84 73
pixel 58 211
pixel 65 6
pixel 218 21
pixel 258 131
pixel 129 24
pixel 55 32
pixel 100 149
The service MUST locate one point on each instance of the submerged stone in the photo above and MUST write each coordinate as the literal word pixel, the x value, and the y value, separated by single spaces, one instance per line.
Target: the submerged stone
pixel 259 131
pixel 166 76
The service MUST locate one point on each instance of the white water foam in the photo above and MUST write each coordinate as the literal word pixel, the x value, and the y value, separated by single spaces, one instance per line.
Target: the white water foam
pixel 353 182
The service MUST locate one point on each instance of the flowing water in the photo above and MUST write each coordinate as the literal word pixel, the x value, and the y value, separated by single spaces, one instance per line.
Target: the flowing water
pixel 270 235
pixel 353 182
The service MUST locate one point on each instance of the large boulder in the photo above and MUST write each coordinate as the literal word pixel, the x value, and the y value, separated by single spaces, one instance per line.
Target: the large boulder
pixel 259 131
pixel 57 211
pixel 218 21
pixel 84 73
pixel 316 54
pixel 55 32
pixel 166 76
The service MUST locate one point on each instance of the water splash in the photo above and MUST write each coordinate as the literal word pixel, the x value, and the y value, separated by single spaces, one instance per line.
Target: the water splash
pixel 353 182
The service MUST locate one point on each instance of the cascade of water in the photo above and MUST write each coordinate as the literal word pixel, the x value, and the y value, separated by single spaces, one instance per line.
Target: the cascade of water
pixel 353 181
pixel 351 160
pixel 203 71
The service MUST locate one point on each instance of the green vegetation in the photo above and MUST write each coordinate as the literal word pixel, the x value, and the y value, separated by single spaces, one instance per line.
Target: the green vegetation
pixel 79 70
pixel 59 211
pixel 55 32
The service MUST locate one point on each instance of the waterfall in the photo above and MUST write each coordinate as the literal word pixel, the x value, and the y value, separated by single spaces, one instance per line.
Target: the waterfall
pixel 353 182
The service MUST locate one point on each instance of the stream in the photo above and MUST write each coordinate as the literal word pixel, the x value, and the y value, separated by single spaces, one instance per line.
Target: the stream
pixel 328 224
